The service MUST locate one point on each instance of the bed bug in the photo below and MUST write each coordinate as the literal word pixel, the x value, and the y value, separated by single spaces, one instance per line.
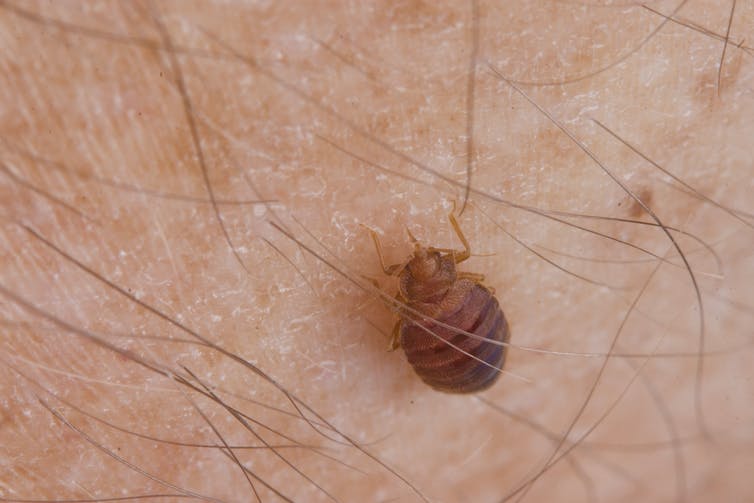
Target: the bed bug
pixel 439 304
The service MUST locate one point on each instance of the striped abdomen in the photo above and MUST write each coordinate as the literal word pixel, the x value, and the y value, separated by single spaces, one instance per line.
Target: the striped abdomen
pixel 467 306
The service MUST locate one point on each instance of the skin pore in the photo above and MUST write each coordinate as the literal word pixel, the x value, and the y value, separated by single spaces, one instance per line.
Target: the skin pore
pixel 158 336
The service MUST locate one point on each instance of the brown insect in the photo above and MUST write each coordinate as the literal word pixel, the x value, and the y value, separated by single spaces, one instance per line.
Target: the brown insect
pixel 440 305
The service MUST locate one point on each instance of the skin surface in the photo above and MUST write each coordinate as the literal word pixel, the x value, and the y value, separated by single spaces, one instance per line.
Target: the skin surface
pixel 134 138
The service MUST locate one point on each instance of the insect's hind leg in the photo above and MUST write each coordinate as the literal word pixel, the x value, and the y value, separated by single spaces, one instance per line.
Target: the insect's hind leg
pixel 395 337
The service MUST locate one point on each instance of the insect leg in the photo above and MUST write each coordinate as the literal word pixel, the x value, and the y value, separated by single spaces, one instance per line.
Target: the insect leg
pixel 475 277
pixel 466 253
pixel 395 337
pixel 373 281
pixel 389 270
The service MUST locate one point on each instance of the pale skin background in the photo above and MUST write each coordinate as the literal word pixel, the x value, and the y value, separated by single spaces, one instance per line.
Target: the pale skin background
pixel 331 109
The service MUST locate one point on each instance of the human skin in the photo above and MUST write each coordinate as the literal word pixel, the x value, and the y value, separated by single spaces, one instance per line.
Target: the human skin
pixel 344 115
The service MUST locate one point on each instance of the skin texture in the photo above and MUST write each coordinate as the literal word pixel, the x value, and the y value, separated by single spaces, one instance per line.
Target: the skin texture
pixel 133 137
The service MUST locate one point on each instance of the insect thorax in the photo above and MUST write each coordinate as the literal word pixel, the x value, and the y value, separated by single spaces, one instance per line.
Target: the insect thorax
pixel 427 276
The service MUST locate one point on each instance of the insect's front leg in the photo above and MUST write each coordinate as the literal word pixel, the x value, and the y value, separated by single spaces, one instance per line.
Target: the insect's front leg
pixel 458 255
pixel 466 252
pixel 391 270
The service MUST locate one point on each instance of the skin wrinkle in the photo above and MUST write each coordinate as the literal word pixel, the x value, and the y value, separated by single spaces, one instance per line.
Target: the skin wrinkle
pixel 130 132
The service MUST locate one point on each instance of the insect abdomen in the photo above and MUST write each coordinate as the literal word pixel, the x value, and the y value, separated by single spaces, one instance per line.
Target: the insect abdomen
pixel 441 365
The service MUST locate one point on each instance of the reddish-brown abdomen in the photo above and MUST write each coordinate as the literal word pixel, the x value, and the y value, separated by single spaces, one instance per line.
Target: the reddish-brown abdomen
pixel 440 355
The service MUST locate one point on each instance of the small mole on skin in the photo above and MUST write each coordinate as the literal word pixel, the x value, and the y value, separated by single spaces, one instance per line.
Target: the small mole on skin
pixel 634 209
